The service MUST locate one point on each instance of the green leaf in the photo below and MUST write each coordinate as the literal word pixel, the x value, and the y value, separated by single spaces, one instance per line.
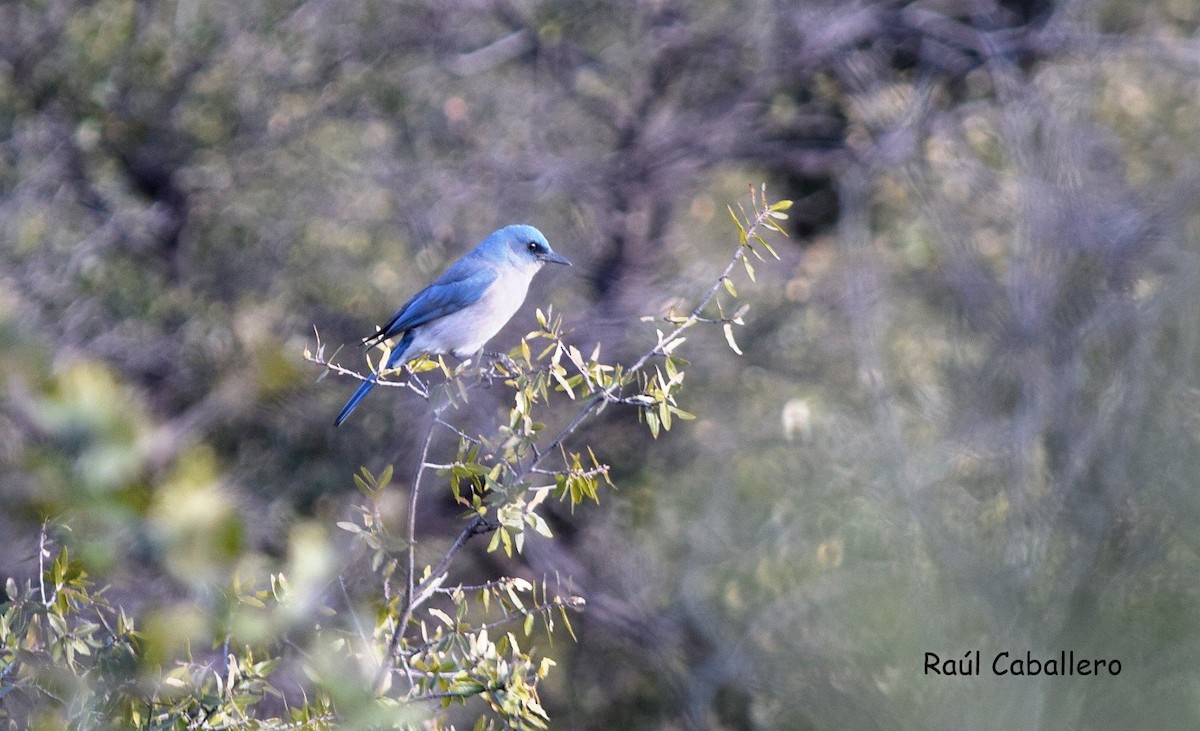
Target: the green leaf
pixel 252 601
pixel 567 621
pixel 362 486
pixel 557 374
pixel 749 267
pixel 685 415
pixel 464 688
pixel 736 221
pixel 58 569
pixel 539 524
pixel 729 338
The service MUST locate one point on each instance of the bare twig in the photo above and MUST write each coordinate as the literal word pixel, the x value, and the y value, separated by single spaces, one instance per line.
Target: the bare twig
pixel 353 614
pixel 461 434
pixel 409 603
pixel 412 382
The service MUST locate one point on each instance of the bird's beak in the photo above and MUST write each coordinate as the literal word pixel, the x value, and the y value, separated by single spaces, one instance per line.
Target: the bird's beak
pixel 555 258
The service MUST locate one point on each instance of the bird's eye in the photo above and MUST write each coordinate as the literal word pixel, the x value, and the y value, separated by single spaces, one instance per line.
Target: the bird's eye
pixel 532 245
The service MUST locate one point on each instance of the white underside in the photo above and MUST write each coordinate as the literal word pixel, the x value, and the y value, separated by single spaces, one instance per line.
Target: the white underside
pixel 465 332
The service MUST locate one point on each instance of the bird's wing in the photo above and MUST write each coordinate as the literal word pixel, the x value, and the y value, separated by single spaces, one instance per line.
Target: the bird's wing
pixel 461 285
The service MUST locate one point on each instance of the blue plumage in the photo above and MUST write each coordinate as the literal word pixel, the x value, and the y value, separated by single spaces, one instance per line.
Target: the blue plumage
pixel 467 305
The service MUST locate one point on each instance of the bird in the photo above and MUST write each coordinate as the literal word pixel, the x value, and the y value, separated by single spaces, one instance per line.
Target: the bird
pixel 467 305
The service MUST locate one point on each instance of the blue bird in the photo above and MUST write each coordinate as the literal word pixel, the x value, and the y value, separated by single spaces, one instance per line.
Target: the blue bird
pixel 466 306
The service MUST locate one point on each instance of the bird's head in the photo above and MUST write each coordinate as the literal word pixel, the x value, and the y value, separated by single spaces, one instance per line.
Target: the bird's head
pixel 524 244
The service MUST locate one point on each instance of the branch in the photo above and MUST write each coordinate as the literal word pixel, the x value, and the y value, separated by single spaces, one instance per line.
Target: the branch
pixel 608 394
pixel 409 603
pixel 412 382
pixel 544 608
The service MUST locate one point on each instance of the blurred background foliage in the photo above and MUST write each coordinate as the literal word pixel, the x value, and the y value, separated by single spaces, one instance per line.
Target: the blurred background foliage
pixel 966 417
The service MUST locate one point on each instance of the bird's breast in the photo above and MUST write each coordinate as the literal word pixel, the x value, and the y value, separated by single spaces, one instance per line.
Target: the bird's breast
pixel 466 331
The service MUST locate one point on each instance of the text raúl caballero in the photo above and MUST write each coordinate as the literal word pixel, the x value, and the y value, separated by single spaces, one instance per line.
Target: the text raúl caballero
pixel 1065 662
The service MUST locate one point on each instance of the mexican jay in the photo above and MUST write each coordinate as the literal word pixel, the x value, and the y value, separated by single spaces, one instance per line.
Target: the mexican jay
pixel 466 306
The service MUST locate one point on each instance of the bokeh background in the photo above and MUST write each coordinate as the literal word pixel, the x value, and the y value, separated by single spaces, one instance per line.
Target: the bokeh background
pixel 966 416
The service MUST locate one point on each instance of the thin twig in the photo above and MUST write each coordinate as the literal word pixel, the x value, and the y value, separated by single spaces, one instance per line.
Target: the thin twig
pixel 412 382
pixel 461 434
pixel 544 608
pixel 411 536
pixel 443 694
pixel 353 614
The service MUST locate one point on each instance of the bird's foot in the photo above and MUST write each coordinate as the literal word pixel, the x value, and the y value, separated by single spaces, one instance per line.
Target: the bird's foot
pixel 502 358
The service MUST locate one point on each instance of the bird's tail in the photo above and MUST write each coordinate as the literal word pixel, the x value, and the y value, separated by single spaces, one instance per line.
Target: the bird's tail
pixel 359 395
pixel 396 357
